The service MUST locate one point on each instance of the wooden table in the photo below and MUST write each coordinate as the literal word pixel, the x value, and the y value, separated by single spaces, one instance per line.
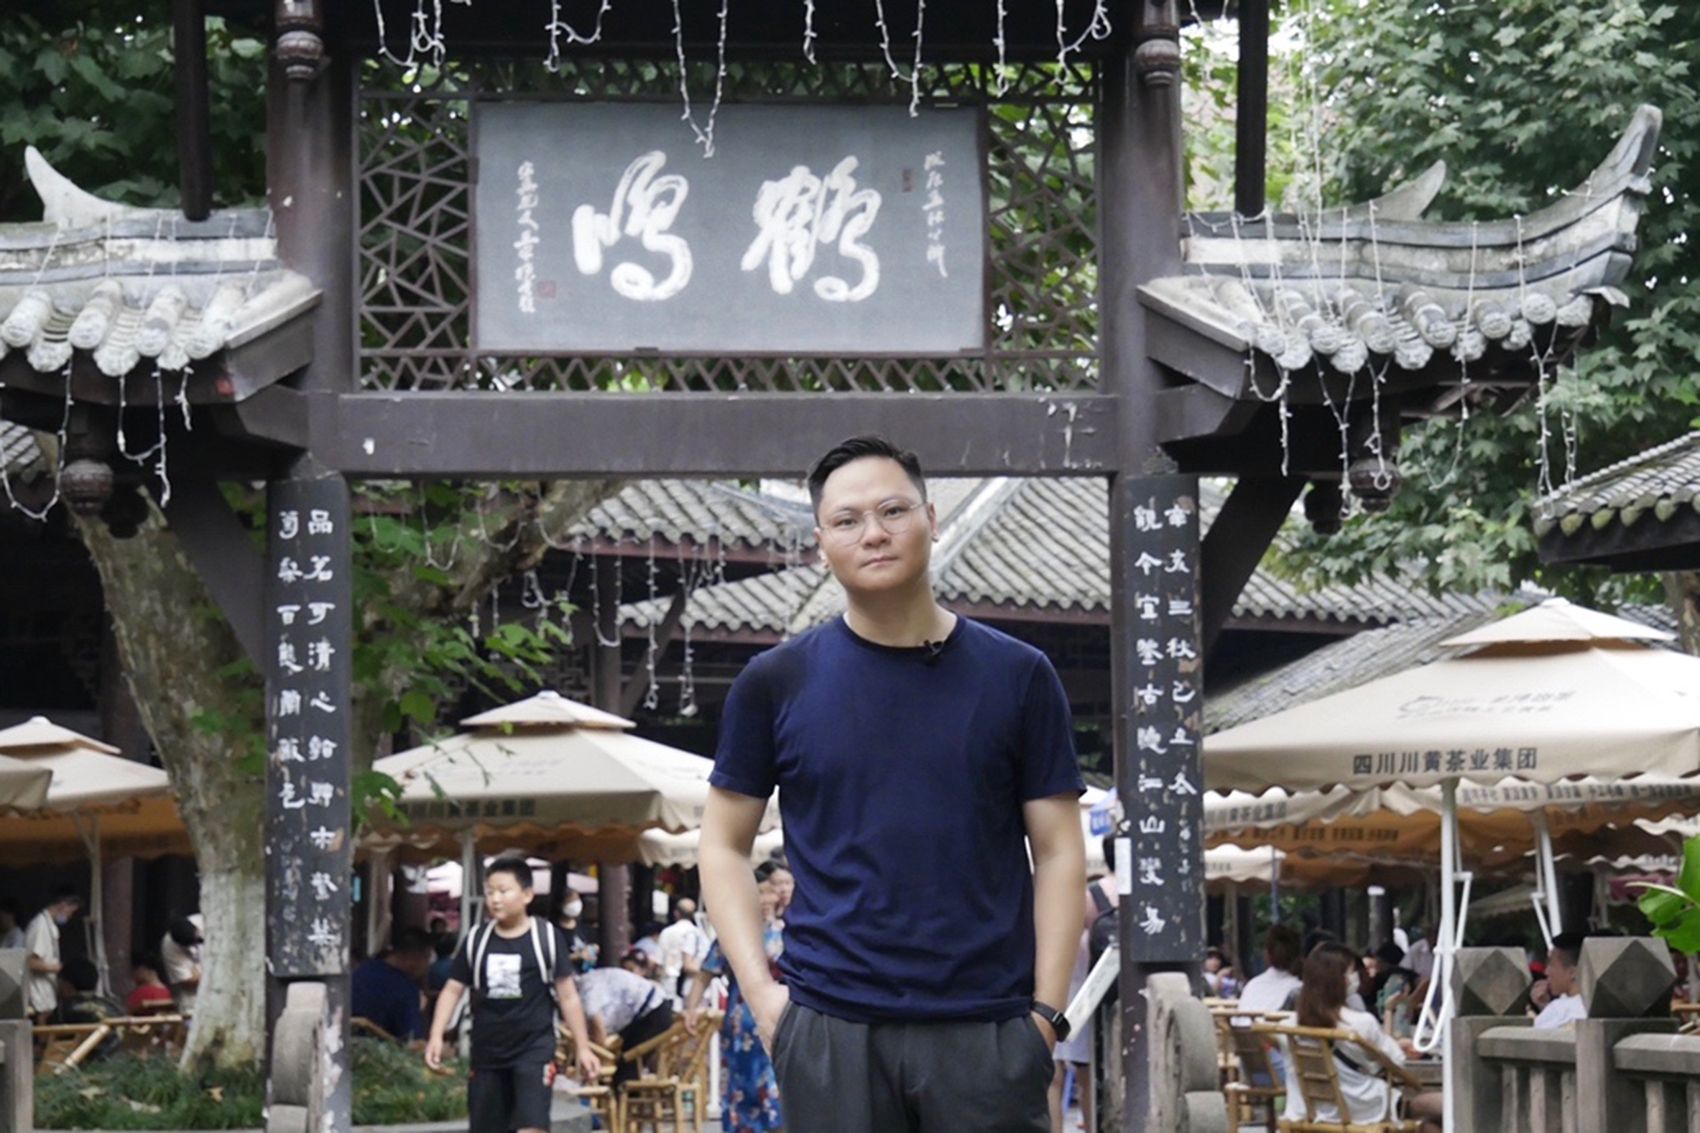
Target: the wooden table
pixel 1429 1071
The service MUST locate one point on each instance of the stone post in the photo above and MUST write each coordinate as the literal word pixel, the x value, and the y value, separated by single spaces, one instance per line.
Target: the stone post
pixel 17 1047
pixel 1491 989
pixel 1626 983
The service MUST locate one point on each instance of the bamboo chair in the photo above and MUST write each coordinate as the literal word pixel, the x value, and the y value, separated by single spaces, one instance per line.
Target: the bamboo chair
pixel 1311 1050
pixel 678 1088
pixel 66 1046
pixel 598 1095
pixel 361 1025
pixel 1250 1052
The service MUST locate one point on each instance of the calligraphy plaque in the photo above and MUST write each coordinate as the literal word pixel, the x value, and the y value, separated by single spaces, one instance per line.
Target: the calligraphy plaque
pixel 1165 810
pixel 603 228
pixel 309 642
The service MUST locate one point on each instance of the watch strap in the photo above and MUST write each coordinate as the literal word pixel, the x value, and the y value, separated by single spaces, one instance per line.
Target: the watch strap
pixel 1057 1020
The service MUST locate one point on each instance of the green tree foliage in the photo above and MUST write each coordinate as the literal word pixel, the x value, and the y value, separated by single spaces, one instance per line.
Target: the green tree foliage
pixel 89 83
pixel 1521 98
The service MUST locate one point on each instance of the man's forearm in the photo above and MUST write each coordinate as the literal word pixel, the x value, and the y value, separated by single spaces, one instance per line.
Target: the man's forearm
pixel 729 889
pixel 1059 896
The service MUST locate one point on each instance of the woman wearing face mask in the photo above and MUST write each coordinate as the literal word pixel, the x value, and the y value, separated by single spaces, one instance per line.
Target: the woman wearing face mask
pixel 1330 976
pixel 579 947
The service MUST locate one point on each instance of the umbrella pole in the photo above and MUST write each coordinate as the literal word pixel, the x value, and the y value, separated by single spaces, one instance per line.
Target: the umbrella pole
pixel 468 878
pixel 94 924
pixel 1274 886
pixel 1546 877
pixel 1448 945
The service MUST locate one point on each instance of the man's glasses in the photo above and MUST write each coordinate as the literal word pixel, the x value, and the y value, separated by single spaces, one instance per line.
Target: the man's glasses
pixel 894 518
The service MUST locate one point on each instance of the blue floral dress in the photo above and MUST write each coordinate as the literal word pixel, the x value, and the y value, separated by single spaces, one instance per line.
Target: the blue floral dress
pixel 750 1101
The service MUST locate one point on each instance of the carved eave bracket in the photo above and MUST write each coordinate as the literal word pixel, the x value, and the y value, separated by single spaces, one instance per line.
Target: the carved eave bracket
pixel 1307 308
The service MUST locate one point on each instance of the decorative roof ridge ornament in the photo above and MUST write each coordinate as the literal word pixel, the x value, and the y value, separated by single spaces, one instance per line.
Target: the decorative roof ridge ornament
pixel 67 205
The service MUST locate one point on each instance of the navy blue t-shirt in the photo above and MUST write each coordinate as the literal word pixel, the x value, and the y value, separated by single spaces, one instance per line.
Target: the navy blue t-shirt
pixel 901 779
pixel 382 993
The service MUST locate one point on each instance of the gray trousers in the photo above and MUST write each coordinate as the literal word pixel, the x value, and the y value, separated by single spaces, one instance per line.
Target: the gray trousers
pixel 839 1077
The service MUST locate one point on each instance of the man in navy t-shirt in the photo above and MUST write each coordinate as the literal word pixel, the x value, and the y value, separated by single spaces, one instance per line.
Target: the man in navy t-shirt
pixel 384 990
pixel 918 755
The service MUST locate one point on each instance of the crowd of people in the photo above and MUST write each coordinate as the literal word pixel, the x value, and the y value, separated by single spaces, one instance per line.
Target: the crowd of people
pixel 67 989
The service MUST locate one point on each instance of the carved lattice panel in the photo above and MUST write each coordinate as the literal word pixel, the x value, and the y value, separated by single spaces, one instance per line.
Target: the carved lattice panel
pixel 415 229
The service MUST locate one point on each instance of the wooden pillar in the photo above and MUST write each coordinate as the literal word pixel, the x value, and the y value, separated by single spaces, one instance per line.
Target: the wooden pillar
pixel 194 112
pixel 1251 112
pixel 312 192
pixel 1154 547
pixel 614 898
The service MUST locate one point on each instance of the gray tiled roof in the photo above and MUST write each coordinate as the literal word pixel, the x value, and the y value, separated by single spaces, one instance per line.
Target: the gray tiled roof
pixel 1043 544
pixel 700 512
pixel 132 287
pixel 1378 285
pixel 1654 485
pixel 1337 666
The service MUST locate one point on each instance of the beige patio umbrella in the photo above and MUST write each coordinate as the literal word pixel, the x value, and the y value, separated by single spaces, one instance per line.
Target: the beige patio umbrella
pixel 23 786
pixel 89 783
pixel 660 848
pixel 1498 823
pixel 1554 693
pixel 547 775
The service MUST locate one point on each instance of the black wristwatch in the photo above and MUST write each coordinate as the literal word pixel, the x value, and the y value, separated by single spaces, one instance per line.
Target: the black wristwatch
pixel 1057 1020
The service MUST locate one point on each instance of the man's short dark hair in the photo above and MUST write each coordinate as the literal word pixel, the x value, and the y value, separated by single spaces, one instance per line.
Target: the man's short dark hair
pixel 184 933
pixel 146 960
pixel 1317 937
pixel 1567 945
pixel 855 449
pixel 67 895
pixel 517 867
pixel 1281 945
pixel 412 941
pixel 445 945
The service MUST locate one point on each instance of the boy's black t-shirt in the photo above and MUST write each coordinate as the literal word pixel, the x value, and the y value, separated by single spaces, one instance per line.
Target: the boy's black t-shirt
pixel 513 1014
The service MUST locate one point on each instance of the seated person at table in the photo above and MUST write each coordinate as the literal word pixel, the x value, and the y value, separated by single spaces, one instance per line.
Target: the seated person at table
pixel 80 1001
pixel 1565 1004
pixel 1391 987
pixel 384 990
pixel 1329 973
pixel 1271 988
pixel 150 992
pixel 618 1001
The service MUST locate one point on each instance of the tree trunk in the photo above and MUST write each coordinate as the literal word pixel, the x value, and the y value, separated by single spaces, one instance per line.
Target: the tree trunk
pixel 1682 591
pixel 202 705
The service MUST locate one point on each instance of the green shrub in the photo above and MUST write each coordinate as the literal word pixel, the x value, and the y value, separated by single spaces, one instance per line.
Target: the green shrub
pixel 391 1087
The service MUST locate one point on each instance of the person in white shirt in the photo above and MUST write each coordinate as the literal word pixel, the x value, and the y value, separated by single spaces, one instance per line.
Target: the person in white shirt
pixel 1566 1006
pixel 683 946
pixel 1329 973
pixel 1270 989
pixel 41 941
pixel 180 951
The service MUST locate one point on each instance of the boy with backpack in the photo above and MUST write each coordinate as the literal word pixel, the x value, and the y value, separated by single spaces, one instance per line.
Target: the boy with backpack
pixel 520 975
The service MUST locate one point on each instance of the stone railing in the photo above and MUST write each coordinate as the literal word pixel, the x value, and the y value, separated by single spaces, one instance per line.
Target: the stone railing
pixel 1623 1069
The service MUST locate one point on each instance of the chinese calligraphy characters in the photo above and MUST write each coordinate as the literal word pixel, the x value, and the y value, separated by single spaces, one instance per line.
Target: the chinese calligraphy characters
pixel 800 212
